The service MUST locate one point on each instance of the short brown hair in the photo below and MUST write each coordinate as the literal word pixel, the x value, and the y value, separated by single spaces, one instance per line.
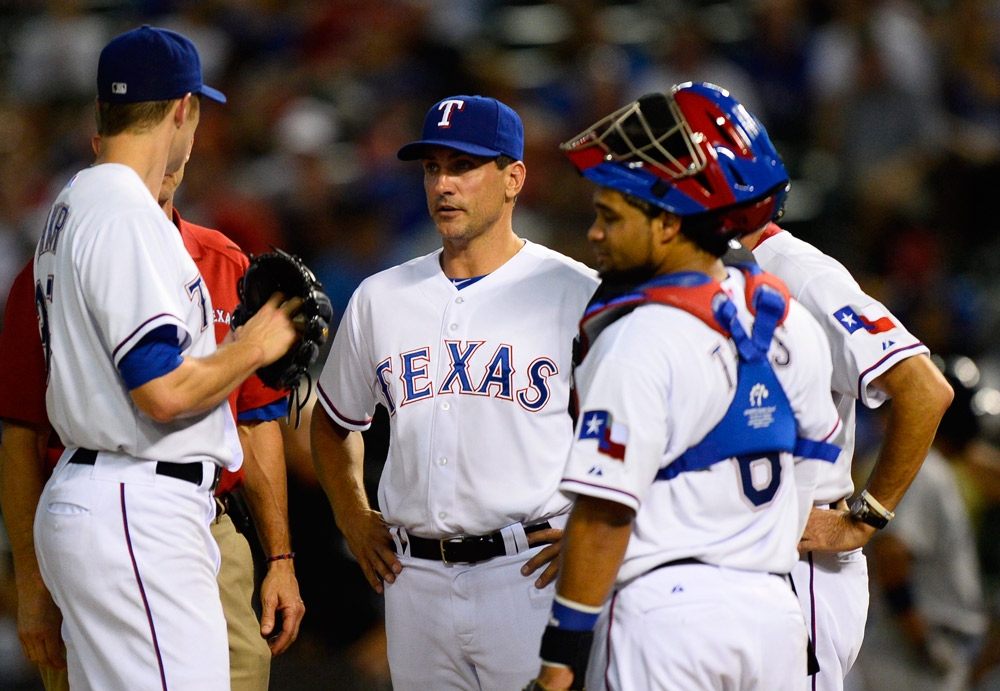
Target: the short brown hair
pixel 117 118
pixel 649 210
pixel 503 161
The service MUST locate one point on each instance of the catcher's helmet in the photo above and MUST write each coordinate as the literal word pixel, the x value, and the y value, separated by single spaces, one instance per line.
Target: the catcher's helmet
pixel 693 151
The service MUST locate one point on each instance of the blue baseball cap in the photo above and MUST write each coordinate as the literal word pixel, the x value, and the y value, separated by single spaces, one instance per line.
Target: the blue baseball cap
pixel 475 125
pixel 149 64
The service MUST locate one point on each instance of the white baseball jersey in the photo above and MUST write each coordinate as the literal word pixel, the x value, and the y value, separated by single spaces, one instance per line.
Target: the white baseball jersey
pixel 110 268
pixel 865 341
pixel 865 338
pixel 476 383
pixel 659 379
pixel 106 277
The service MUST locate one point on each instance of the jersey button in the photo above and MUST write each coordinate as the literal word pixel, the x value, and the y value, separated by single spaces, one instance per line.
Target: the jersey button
pixel 442 515
pixel 445 405
pixel 460 299
pixel 442 461
pixel 453 327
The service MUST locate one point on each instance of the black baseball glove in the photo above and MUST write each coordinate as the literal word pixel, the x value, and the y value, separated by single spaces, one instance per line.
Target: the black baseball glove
pixel 279 271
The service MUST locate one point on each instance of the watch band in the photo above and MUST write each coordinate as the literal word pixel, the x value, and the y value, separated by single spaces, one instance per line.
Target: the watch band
pixel 868 510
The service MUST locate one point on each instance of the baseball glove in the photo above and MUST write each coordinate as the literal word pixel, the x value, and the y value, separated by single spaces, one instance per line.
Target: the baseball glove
pixel 279 271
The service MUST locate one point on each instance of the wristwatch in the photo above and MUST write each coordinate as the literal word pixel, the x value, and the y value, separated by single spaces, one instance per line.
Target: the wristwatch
pixel 866 509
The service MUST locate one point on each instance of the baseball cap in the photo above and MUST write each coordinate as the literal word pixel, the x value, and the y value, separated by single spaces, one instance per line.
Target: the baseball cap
pixel 476 125
pixel 150 64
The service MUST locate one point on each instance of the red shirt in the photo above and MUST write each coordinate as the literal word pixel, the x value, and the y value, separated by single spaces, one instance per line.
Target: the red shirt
pixel 22 363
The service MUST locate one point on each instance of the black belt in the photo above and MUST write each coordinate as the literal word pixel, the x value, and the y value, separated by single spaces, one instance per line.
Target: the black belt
pixel 686 561
pixel 465 549
pixel 235 506
pixel 678 562
pixel 190 472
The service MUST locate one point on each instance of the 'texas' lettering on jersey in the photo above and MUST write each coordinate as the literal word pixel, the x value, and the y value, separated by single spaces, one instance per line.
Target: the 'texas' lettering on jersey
pixel 406 378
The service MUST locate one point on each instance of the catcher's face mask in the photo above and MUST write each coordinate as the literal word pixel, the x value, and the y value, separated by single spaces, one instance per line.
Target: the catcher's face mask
pixel 692 151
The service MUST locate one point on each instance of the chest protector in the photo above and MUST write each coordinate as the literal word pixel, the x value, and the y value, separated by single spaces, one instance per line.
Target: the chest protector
pixel 760 421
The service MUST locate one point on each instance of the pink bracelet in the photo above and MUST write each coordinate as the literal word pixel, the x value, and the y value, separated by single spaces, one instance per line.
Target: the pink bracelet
pixel 279 557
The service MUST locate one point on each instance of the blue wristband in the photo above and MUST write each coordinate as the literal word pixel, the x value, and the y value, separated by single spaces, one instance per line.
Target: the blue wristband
pixel 573 616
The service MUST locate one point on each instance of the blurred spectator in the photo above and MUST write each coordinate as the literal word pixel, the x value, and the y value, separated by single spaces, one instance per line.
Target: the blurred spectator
pixel 52 53
pixel 690 54
pixel 928 613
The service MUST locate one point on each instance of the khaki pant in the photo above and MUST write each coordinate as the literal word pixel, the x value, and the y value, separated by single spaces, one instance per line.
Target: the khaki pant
pixel 249 656
pixel 54 679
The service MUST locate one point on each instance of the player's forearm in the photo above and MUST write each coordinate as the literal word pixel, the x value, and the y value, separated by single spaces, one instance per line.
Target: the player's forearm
pixel 198 384
pixel 265 486
pixel 338 457
pixel 22 478
pixel 920 396
pixel 597 534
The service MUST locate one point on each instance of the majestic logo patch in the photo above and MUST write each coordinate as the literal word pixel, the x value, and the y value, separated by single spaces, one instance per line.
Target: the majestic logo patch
pixel 851 320
pixel 758 415
pixel 119 88
pixel 611 436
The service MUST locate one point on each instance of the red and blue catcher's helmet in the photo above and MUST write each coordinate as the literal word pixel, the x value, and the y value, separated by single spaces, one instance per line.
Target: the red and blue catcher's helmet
pixel 693 151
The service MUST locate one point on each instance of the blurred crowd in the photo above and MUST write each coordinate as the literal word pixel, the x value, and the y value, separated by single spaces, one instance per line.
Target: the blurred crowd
pixel 887 113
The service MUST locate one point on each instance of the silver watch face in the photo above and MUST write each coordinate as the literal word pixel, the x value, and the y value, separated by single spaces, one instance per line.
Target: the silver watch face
pixel 863 512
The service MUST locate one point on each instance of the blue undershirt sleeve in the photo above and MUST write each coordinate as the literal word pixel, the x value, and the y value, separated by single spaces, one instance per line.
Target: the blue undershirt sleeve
pixel 156 354
pixel 265 413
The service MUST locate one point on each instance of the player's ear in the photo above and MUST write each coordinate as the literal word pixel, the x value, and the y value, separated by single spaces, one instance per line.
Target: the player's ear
pixel 187 107
pixel 666 225
pixel 515 174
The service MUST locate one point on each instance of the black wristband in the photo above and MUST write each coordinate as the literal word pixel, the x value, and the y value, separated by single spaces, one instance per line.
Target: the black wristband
pixel 568 648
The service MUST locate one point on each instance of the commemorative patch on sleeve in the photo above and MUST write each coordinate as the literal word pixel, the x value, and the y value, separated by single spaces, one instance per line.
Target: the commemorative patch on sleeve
pixel 611 436
pixel 853 319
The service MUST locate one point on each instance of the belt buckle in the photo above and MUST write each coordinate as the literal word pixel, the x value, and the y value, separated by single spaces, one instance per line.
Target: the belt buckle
pixel 448 540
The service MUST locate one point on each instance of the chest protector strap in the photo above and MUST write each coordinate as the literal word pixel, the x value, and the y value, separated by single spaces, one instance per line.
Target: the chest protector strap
pixel 760 421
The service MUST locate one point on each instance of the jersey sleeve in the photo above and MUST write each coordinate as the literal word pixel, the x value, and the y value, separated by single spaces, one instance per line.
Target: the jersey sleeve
pixel 865 338
pixel 619 440
pixel 152 301
pixel 22 374
pixel 345 386
pixel 630 421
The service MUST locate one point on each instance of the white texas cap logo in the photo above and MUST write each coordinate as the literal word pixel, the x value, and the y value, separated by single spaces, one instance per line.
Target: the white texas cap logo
pixel 446 107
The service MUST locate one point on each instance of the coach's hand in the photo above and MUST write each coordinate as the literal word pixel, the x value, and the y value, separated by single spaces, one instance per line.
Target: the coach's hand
pixel 548 555
pixel 834 530
pixel 279 592
pixel 371 544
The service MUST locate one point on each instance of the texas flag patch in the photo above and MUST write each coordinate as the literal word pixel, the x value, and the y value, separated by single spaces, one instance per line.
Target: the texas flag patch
pixel 611 437
pixel 853 321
